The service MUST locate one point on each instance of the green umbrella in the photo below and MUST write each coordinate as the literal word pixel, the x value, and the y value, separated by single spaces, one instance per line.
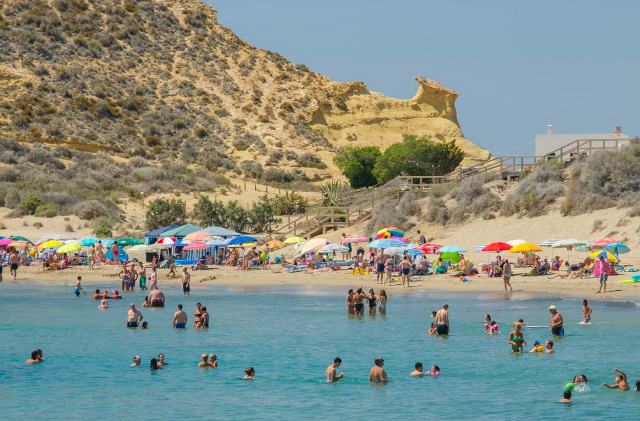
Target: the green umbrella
pixel 20 238
pixel 128 241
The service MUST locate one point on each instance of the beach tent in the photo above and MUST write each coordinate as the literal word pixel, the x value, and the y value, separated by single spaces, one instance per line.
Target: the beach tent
pixel 182 231
pixel 152 236
pixel 220 232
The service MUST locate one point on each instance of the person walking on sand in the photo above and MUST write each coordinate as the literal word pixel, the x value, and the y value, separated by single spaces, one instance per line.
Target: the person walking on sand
pixel 332 374
pixel 556 323
pixel 421 238
pixel 186 282
pixel 603 266
pixel 14 260
pixel 377 373
pixel 379 263
pixel 388 269
pixel 405 270
pixel 506 275
pixel 442 320
pixel 179 320
pixel 586 312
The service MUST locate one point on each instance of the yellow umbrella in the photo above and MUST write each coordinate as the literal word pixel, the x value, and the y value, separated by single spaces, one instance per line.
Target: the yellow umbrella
pixel 50 244
pixel 274 244
pixel 525 248
pixel 294 240
pixel 69 248
pixel 610 257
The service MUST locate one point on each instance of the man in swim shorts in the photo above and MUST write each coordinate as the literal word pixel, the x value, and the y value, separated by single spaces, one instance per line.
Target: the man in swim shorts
pixel 377 373
pixel 556 322
pixel 179 318
pixel 134 316
pixel 332 375
pixel 14 258
pixel 442 320
pixel 379 262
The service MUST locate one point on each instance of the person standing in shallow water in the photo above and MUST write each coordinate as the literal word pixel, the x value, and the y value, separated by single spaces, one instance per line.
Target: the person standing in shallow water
pixel 179 318
pixel 350 304
pixel 186 282
pixel 377 373
pixel 556 322
pixel 332 374
pixel 442 320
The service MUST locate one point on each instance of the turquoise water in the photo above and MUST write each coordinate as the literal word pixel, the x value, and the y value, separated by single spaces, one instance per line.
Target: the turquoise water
pixel 290 335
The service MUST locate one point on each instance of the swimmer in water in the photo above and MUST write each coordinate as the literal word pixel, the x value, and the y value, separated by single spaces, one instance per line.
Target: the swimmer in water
pixel 377 373
pixel 213 361
pixel 36 357
pixel 566 397
pixel 435 371
pixel 332 374
pixel 249 374
pixel 586 312
pixel 96 294
pixel 204 361
pixel 103 305
pixel 153 365
pixel 549 348
pixel 516 338
pixel 637 385
pixel 418 371
pixel 621 381
pixel 442 320
pixel 161 361
pixel 134 316
pixel 136 361
pixel 179 318
pixel 537 347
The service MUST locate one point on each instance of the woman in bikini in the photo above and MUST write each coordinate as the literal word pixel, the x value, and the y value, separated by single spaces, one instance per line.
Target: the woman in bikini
pixel 383 302
pixel 197 316
pixel 372 302
pixel 350 304
pixel 516 338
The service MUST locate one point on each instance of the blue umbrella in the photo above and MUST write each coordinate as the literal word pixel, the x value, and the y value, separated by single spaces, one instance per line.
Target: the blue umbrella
pixel 386 243
pixel 450 249
pixel 241 239
pixel 617 248
pixel 88 241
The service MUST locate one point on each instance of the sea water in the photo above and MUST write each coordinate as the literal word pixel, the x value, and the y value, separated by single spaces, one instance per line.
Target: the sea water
pixel 290 335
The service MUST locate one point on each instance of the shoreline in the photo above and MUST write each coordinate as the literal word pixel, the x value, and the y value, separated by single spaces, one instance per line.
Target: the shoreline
pixel 525 287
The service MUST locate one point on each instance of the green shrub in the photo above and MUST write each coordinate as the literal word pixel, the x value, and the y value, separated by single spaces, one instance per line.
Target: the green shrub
pixel 289 204
pixel 163 212
pixel 30 205
pixel 357 163
pixel 47 210
pixel 207 212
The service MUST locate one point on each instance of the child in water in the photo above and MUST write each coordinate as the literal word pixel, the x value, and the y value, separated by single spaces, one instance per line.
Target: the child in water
pixel 549 348
pixel 586 312
pixel 537 347
pixel 566 397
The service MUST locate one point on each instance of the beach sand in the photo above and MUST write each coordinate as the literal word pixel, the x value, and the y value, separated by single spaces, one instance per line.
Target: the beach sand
pixel 523 285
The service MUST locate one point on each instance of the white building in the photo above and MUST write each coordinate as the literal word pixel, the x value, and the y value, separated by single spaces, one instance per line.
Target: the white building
pixel 550 142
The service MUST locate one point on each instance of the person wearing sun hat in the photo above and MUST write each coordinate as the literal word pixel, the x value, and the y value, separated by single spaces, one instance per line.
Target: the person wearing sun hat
pixel 556 323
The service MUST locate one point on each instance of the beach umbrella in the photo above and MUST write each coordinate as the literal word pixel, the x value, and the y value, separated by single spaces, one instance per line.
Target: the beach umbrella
pixel 20 238
pixel 617 248
pixel 5 242
pixel 166 241
pixel 410 249
pixel 274 244
pixel 430 248
pixel 58 237
pixel 525 248
pixel 332 248
pixel 139 248
pixel 20 244
pixel 69 248
pixel 198 236
pixel 240 239
pixel 196 246
pixel 128 241
pixel 313 244
pixel 88 241
pixel 389 232
pixel 50 244
pixel 71 242
pixel 569 242
pixel 384 243
pixel 514 243
pixel 497 246
pixel 450 249
pixel 294 240
pixel 216 243
pixel 352 239
pixel 610 257
pixel 585 247
pixel 603 242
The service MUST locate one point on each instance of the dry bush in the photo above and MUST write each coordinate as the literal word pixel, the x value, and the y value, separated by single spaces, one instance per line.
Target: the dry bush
pixel 385 215
pixel 604 179
pixel 536 191
pixel 473 199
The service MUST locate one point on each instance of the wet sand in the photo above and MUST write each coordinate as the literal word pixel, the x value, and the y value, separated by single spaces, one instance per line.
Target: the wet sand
pixel 274 276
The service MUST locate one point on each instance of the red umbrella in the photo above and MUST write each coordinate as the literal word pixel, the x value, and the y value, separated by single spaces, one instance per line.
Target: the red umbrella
pixel 603 242
pixel 430 248
pixel 497 246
